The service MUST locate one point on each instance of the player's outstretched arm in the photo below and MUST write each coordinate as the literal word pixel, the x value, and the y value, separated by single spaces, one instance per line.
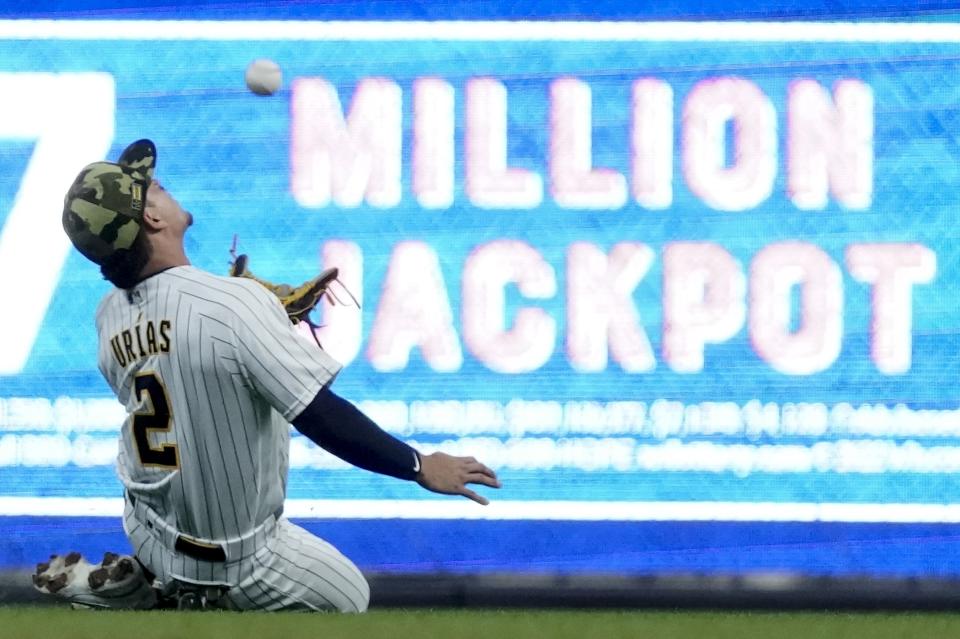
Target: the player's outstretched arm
pixel 341 428
pixel 443 473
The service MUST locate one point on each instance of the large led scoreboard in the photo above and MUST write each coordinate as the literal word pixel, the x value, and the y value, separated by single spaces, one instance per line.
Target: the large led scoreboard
pixel 689 287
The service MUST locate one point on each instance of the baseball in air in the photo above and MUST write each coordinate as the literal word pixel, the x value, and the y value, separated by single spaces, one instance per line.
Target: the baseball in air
pixel 263 76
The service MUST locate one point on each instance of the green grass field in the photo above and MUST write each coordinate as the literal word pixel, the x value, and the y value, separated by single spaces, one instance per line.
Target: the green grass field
pixel 474 624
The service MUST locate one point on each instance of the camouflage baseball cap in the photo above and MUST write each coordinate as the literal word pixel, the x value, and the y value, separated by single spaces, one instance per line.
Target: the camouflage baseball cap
pixel 103 209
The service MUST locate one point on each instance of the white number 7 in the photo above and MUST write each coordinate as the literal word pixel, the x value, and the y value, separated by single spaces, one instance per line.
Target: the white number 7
pixel 71 117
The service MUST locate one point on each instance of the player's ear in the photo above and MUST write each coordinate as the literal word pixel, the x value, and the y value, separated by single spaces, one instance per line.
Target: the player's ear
pixel 152 219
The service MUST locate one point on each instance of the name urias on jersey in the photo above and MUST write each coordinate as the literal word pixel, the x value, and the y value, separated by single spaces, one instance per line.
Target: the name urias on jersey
pixel 143 340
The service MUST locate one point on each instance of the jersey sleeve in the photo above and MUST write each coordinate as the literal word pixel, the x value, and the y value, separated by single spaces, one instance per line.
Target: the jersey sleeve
pixel 105 320
pixel 284 366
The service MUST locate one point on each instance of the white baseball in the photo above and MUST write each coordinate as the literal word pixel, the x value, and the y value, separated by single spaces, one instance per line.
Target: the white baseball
pixel 263 76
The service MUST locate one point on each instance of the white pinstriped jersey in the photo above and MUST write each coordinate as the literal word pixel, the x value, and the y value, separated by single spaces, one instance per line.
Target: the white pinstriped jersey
pixel 211 372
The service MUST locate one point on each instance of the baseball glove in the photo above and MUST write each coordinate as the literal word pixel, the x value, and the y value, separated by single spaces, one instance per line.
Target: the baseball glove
pixel 298 301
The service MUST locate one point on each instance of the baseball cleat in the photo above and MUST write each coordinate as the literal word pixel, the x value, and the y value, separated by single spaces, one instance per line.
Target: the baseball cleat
pixel 198 597
pixel 116 582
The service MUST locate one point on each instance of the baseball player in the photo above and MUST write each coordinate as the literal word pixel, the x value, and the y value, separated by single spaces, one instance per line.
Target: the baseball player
pixel 212 372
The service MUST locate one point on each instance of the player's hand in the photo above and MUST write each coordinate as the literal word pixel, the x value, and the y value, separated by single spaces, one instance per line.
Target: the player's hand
pixel 450 475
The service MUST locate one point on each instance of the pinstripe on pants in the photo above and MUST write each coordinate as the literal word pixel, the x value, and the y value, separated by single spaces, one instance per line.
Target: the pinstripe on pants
pixel 292 570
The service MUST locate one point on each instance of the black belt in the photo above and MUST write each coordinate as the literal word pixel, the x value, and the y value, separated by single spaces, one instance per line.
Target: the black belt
pixel 200 550
pixel 205 551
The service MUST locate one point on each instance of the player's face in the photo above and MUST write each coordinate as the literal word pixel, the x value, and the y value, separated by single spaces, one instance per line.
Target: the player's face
pixel 168 208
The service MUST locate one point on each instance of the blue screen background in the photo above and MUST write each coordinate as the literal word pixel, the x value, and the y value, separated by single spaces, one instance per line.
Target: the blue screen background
pixel 225 155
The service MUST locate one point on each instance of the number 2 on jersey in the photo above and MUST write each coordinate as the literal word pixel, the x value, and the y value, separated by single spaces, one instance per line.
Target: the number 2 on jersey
pixel 155 417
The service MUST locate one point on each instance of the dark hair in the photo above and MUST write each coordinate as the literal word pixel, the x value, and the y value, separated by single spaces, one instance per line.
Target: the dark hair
pixel 123 268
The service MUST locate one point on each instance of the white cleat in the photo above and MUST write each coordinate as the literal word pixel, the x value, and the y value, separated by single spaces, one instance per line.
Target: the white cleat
pixel 116 582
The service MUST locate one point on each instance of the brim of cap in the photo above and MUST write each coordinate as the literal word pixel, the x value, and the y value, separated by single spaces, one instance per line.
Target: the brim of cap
pixel 140 156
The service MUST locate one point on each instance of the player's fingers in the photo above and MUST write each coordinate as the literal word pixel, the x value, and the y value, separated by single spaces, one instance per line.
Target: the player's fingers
pixel 480 478
pixel 477 467
pixel 480 499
